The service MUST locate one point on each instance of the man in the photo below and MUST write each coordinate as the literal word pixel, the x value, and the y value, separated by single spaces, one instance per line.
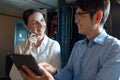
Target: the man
pixel 95 58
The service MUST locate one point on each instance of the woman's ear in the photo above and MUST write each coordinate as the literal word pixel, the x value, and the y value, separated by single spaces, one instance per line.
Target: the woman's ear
pixel 99 15
pixel 27 27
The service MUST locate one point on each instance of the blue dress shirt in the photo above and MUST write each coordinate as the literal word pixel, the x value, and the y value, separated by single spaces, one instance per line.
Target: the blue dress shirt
pixel 97 60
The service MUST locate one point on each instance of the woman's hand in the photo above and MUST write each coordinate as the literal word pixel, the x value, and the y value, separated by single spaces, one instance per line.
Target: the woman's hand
pixel 32 40
pixel 29 75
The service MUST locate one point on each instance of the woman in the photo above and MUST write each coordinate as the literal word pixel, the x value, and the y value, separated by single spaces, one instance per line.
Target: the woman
pixel 41 47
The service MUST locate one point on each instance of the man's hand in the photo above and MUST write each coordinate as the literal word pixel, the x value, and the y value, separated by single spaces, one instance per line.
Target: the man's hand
pixel 48 67
pixel 29 75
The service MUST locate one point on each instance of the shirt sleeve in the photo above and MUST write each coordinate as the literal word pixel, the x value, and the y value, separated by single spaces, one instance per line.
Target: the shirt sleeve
pixel 56 59
pixel 19 48
pixel 111 66
pixel 67 73
pixel 63 74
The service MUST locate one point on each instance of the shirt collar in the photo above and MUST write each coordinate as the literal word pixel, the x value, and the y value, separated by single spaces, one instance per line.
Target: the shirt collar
pixel 45 40
pixel 100 39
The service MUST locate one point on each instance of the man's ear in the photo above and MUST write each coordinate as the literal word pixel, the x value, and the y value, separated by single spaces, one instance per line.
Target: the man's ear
pixel 99 15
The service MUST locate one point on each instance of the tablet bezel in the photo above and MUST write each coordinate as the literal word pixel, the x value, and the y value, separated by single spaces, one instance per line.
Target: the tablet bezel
pixel 28 60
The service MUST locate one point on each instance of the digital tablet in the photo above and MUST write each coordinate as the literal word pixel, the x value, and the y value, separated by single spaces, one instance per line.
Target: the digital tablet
pixel 27 60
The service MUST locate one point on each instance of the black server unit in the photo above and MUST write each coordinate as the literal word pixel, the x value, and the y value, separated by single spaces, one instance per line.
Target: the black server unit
pixel 21 34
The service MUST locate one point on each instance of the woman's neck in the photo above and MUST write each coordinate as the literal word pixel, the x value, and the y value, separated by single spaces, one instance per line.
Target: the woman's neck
pixel 39 41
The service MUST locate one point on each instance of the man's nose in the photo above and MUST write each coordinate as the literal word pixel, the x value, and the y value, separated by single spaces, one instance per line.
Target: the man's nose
pixel 75 20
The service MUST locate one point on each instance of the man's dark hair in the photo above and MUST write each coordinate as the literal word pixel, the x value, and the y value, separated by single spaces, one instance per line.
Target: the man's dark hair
pixel 27 13
pixel 94 6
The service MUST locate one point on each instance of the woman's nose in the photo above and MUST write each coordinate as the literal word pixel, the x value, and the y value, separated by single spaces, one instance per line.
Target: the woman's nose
pixel 39 24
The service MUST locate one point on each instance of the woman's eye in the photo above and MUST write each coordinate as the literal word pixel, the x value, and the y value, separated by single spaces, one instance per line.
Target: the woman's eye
pixel 34 23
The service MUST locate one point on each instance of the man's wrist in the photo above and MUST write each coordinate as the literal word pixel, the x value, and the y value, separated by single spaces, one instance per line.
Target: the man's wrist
pixel 55 72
